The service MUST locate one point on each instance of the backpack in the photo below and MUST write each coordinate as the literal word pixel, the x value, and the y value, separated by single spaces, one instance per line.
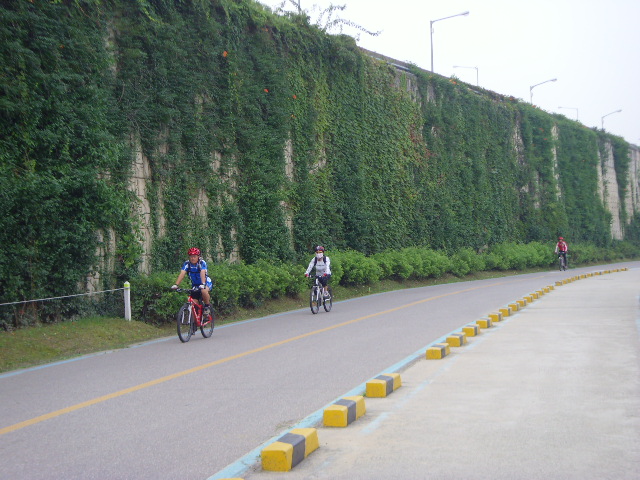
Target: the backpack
pixel 315 260
pixel 199 265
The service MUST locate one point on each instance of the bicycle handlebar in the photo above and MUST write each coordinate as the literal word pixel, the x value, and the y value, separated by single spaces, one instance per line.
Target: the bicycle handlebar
pixel 185 290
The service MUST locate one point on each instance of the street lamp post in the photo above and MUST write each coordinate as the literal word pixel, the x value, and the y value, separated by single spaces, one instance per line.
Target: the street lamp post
pixel 464 14
pixel 572 108
pixel 617 111
pixel 534 86
pixel 460 66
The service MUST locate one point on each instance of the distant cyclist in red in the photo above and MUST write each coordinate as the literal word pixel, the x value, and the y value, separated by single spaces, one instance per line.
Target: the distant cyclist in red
pixel 562 248
pixel 196 267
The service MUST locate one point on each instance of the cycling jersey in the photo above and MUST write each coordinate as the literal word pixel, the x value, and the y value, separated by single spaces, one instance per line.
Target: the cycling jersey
pixel 562 247
pixel 323 266
pixel 193 270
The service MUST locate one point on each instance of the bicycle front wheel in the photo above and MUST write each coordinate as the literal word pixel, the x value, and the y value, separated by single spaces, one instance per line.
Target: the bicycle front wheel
pixel 315 299
pixel 184 322
pixel 208 324
pixel 328 302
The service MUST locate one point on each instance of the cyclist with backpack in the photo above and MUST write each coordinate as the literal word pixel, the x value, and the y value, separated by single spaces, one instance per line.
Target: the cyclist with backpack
pixel 196 267
pixel 322 264
pixel 561 249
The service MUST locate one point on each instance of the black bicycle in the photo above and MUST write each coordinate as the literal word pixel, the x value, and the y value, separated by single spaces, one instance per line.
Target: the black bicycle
pixel 317 297
pixel 562 261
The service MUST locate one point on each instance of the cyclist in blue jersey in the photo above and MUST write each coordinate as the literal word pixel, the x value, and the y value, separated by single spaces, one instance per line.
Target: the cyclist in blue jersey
pixel 196 267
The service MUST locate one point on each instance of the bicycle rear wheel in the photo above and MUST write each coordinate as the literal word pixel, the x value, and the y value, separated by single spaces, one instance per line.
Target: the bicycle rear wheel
pixel 327 303
pixel 208 324
pixel 184 321
pixel 315 299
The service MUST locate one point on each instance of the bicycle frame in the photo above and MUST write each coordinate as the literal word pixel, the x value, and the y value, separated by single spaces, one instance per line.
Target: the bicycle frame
pixel 196 306
pixel 190 317
pixel 317 297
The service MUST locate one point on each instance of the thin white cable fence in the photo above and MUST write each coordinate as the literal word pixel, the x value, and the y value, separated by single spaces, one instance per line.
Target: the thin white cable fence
pixel 51 309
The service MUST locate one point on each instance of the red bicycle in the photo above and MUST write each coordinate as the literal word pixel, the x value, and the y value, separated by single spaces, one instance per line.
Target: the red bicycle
pixel 189 317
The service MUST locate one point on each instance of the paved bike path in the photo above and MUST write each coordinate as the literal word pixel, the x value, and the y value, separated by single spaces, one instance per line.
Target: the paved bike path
pixel 552 392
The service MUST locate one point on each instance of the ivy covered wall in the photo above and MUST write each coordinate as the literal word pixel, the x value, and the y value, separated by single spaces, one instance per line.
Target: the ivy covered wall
pixel 255 136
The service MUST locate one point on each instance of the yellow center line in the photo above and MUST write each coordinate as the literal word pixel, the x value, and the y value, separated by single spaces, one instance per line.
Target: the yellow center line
pixel 120 393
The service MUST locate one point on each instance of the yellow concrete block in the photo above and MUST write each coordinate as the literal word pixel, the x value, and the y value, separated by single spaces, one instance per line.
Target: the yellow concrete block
pixel 471 330
pixel 457 339
pixel 437 351
pixel 361 408
pixel 335 416
pixel 311 439
pixel 376 388
pixel 383 385
pixel 495 317
pixel 484 323
pixel 522 303
pixel 514 307
pixel 289 450
pixel 505 311
pixel 531 298
pixel 277 457
pixel 397 381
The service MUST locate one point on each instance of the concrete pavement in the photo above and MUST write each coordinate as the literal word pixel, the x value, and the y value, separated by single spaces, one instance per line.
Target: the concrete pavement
pixel 551 392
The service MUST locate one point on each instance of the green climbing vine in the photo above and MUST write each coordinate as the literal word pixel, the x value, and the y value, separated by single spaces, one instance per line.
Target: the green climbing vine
pixel 255 136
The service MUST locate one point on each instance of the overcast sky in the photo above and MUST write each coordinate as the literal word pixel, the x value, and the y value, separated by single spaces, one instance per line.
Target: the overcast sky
pixel 592 47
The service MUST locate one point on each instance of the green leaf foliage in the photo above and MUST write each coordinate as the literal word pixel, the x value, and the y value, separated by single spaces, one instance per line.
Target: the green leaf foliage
pixel 133 130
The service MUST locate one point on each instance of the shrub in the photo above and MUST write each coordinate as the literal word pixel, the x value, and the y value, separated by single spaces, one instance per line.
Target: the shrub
pixel 474 262
pixel 432 264
pixel 394 264
pixel 357 269
pixel 152 300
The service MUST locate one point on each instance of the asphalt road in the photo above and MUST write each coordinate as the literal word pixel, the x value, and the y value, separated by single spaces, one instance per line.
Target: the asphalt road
pixel 167 410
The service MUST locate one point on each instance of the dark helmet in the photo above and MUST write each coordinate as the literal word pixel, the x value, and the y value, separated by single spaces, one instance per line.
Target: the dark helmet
pixel 319 248
pixel 194 251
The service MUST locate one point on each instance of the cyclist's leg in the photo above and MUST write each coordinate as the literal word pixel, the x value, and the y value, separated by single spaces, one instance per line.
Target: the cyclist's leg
pixel 326 286
pixel 323 281
pixel 206 297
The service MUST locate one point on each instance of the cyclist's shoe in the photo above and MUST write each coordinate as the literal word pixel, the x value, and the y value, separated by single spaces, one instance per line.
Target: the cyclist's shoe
pixel 327 296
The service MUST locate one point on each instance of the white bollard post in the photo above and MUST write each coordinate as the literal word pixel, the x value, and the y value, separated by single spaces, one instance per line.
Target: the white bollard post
pixel 127 301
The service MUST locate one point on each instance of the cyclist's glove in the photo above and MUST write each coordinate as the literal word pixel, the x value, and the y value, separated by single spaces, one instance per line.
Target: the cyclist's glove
pixel 174 287
pixel 201 287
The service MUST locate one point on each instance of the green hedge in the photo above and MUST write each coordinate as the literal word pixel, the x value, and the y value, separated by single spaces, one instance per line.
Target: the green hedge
pixel 247 286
